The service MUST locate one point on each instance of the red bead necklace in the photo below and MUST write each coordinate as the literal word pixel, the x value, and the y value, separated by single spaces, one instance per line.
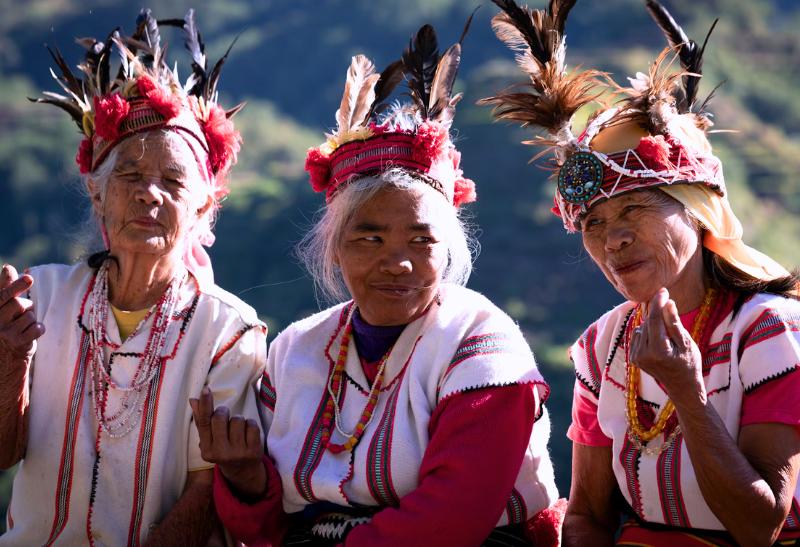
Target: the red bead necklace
pixel 332 413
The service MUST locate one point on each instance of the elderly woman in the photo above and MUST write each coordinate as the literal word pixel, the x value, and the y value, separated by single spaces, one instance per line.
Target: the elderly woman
pixel 411 414
pixel 686 394
pixel 98 360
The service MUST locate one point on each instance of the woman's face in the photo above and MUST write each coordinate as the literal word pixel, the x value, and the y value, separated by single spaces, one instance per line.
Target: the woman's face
pixel 392 255
pixel 643 241
pixel 154 197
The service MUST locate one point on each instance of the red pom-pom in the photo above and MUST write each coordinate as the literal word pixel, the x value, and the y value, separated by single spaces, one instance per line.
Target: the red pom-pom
pixel 654 152
pixel 223 140
pixel 544 528
pixel 429 142
pixel 109 112
pixel 464 192
pixel 162 101
pixel 84 156
pixel 318 166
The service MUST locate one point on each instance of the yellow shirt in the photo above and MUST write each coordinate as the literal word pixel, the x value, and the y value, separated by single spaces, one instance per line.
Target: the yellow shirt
pixel 127 321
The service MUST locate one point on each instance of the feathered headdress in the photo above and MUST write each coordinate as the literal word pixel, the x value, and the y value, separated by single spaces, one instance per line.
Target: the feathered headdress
pixel 146 94
pixel 365 143
pixel 661 108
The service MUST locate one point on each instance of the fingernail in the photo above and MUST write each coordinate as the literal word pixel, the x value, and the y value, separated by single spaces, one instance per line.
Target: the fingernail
pixel 206 391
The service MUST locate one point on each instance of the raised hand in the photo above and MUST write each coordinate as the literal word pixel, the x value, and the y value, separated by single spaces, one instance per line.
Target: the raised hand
pixel 19 329
pixel 233 443
pixel 664 349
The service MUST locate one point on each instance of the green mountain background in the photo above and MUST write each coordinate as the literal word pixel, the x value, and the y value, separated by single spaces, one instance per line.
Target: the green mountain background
pixel 289 65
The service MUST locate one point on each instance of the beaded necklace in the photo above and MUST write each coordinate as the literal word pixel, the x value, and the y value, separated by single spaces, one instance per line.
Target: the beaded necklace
pixel 127 417
pixel 636 432
pixel 332 412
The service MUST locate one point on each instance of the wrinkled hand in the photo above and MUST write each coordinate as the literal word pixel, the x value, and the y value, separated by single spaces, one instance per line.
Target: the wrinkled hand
pixel 233 443
pixel 664 349
pixel 18 326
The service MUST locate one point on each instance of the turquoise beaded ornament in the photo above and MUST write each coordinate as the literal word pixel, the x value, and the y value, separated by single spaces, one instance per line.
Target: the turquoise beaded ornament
pixel 580 178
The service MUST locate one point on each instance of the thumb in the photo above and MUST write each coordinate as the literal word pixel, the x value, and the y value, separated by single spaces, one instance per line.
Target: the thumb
pixel 7 275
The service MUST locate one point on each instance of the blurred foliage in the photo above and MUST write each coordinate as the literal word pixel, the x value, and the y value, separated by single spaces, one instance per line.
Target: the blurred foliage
pixel 289 64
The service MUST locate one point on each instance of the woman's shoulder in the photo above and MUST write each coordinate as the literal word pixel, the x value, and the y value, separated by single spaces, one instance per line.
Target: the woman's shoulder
pixel 58 280
pixel 316 326
pixel 610 322
pixel 226 304
pixel 765 311
pixel 469 304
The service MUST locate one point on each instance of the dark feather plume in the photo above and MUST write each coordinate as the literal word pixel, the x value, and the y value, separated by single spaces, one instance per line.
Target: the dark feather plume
pixel 213 76
pixel 689 53
pixel 197 49
pixel 390 78
pixel 420 60
pixel 553 96
pixel 67 78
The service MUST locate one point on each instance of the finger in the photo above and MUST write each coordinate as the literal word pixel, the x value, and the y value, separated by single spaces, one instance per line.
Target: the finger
pixel 673 325
pixel 236 431
pixel 32 333
pixel 656 330
pixel 12 309
pixel 219 427
pixel 15 288
pixel 203 423
pixel 206 404
pixel 253 436
pixel 7 275
pixel 13 331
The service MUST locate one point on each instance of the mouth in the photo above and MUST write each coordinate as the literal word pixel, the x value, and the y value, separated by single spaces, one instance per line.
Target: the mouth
pixel 146 222
pixel 394 290
pixel 627 267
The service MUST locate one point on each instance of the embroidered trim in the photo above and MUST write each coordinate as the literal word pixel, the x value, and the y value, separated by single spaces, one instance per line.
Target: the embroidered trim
pixel 76 398
pixel 232 342
pixel 379 457
pixel 668 470
pixel 753 387
pixel 629 458
pixel 483 344
pixel 516 510
pixel 267 394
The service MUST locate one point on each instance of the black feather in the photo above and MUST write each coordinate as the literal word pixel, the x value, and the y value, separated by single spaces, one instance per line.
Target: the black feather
pixel 559 10
pixel 420 60
pixel 67 77
pixel 104 63
pixel 213 76
pixel 689 54
pixel 467 25
pixel 69 107
pixel 391 76
pixel 521 19
pixel 194 43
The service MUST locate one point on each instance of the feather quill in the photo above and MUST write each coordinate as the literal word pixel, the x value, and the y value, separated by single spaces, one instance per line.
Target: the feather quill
pixel 390 78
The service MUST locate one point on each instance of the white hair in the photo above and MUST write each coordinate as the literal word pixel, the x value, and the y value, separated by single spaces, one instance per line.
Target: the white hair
pixel 99 178
pixel 317 250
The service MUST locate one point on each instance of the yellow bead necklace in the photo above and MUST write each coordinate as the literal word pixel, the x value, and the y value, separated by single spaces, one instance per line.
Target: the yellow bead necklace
pixel 636 432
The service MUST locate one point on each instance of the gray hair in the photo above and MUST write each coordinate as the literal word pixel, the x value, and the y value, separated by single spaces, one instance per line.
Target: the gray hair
pixel 90 235
pixel 317 250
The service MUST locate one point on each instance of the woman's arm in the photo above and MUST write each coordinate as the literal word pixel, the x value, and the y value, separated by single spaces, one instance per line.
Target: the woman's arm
pixel 749 486
pixel 192 520
pixel 18 333
pixel 247 487
pixel 592 518
pixel 477 443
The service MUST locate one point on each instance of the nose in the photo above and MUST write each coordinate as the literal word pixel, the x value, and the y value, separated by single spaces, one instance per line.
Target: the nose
pixel 618 237
pixel 396 263
pixel 149 192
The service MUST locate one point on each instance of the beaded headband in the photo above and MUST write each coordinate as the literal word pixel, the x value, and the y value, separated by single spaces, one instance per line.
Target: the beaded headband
pixel 146 95
pixel 661 105
pixel 414 137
